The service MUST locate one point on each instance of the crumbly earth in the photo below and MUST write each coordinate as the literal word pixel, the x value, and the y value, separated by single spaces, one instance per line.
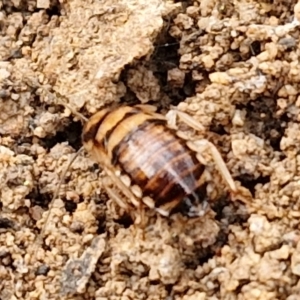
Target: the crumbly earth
pixel 233 65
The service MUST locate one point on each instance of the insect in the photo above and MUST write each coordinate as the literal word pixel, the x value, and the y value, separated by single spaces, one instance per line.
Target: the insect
pixel 149 161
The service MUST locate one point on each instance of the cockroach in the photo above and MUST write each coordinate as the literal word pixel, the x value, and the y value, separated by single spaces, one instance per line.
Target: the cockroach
pixel 150 161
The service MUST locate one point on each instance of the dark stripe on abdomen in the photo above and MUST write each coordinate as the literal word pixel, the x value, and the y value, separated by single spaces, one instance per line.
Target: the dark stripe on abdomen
pixel 91 133
pixel 146 152
pixel 109 133
pixel 176 179
pixel 150 158
pixel 131 145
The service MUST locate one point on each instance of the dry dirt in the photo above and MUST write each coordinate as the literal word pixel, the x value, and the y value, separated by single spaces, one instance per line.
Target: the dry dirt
pixel 231 64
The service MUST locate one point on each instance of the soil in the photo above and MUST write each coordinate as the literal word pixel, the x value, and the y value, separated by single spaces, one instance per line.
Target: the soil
pixel 232 65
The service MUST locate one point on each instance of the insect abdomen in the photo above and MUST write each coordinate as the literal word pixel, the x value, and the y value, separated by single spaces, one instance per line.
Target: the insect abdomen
pixel 160 164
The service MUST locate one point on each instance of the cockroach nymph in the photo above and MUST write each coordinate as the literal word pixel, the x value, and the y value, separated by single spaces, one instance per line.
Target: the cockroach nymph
pixel 149 161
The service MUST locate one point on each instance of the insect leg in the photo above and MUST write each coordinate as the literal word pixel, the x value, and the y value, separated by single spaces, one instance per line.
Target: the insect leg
pixel 123 188
pixel 115 197
pixel 147 108
pixel 184 117
pixel 199 144
pixel 137 215
pixel 219 162
pixel 143 220
pixel 103 159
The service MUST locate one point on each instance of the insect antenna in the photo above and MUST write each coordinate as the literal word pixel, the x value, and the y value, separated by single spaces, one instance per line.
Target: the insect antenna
pixel 63 176
pixel 59 99
pixel 73 111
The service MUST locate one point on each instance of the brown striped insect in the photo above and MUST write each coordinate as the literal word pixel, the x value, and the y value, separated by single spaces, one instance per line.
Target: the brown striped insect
pixel 149 161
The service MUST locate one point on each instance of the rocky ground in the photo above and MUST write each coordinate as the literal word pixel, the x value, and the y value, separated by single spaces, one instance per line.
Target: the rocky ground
pixel 232 64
